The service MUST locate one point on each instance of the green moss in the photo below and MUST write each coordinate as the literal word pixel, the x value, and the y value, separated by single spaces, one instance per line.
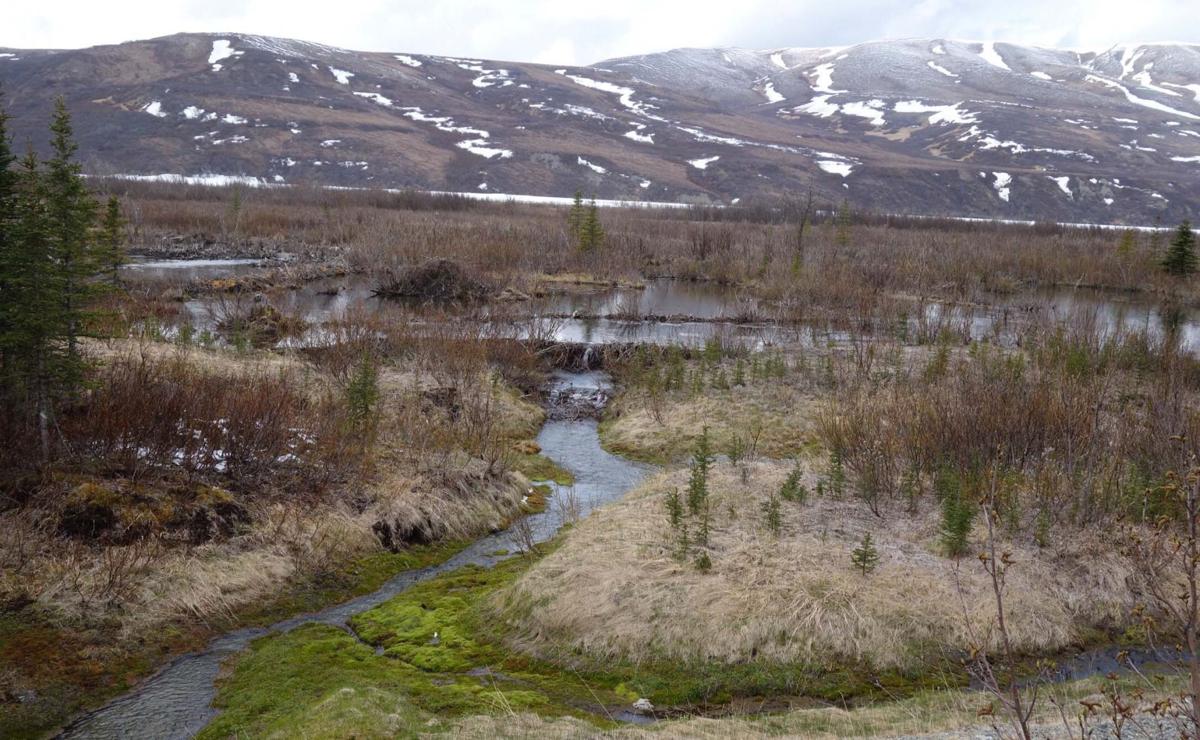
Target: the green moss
pixel 354 578
pixel 463 671
pixel 313 666
pixel 444 655
pixel 538 467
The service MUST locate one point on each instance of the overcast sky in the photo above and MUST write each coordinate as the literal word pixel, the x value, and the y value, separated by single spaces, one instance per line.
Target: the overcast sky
pixel 583 31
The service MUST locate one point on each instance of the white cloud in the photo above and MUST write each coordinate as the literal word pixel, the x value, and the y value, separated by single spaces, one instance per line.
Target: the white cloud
pixel 579 33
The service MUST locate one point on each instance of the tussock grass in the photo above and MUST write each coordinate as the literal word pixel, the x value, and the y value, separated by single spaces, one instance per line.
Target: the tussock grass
pixel 772 417
pixel 616 589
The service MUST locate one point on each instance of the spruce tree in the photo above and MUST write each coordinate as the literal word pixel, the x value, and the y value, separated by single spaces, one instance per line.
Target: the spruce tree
pixel 38 362
pixel 844 222
pixel 575 217
pixel 1180 259
pixel 772 514
pixel 362 392
pixel 791 490
pixel 8 216
pixel 591 233
pixel 110 242
pixel 47 270
pixel 71 214
pixel 702 459
pixel 958 516
pixel 865 557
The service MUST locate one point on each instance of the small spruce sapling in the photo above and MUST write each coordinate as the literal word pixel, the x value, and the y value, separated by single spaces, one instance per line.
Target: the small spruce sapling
pixel 772 515
pixel 837 473
pixel 674 508
pixel 958 517
pixel 792 490
pixel 702 459
pixel 865 557
pixel 362 392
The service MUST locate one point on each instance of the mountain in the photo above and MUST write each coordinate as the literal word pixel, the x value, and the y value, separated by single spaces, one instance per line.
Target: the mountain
pixel 923 126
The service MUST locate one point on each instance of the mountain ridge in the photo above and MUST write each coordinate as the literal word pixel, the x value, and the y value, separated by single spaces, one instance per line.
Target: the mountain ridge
pixel 921 126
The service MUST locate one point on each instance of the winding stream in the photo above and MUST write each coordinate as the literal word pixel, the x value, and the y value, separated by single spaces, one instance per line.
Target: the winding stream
pixel 176 702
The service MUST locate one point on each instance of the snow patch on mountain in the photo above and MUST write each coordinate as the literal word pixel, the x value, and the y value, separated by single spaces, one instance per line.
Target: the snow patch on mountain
pixel 940 69
pixel 479 145
pixel 154 108
pixel 1144 102
pixel 406 59
pixel 942 114
pixel 819 107
pixel 1143 78
pixel 376 97
pixel 487 77
pixel 1002 184
pixel 992 57
pixel 1195 89
pixel 835 167
pixel 701 135
pixel 592 166
pixel 772 95
pixel 824 79
pixel 872 110
pixel 341 75
pixel 1064 184
pixel 221 50
pixel 625 94
pixel 702 164
pixel 638 136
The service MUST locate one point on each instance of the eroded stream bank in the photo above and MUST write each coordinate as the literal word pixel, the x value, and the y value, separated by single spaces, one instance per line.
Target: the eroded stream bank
pixel 176 702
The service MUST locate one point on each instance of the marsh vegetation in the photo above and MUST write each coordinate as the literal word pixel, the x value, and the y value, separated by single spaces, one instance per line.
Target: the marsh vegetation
pixel 893 474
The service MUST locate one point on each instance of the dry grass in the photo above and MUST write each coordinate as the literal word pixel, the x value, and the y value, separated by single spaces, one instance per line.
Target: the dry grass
pixel 419 473
pixel 771 417
pixel 753 246
pixel 615 588
pixel 160 584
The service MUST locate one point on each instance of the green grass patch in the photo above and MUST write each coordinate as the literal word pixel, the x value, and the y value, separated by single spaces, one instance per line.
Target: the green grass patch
pixel 444 655
pixel 538 467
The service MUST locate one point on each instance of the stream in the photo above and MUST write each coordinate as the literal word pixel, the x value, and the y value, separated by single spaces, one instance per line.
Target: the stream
pixel 176 702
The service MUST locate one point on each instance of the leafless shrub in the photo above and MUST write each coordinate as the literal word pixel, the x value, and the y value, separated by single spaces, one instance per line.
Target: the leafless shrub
pixel 171 413
pixel 566 505
pixel 523 535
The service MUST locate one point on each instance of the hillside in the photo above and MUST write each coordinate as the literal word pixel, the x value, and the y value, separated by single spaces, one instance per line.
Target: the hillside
pixel 933 127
